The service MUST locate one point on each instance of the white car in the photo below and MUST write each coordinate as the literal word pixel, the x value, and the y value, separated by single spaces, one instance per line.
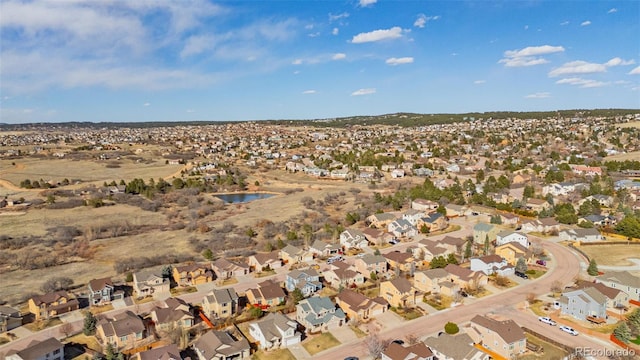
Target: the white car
pixel 547 320
pixel 568 330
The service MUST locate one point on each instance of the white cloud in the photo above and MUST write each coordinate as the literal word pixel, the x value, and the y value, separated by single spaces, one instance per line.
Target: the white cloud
pixel 635 71
pixel 538 95
pixel 423 19
pixel 583 83
pixel 585 23
pixel 612 10
pixel 583 67
pixel 197 44
pixel 361 92
pixel 399 61
pixel 335 31
pixel 306 92
pixel 296 62
pixel 528 56
pixel 190 111
pixel 339 56
pixel 526 27
pixel 365 3
pixel 478 82
pixel 616 61
pixel 378 35
pixel 564 23
pixel 146 104
pixel 332 17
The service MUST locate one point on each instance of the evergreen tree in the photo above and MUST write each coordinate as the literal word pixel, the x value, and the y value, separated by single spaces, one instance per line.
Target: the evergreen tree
pixel 90 321
pixel 521 265
pixel 622 332
pixel 593 268
pixel 468 250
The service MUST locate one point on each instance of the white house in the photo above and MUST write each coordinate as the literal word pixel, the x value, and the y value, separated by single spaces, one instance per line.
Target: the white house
pixel 353 238
pixel 504 237
pixel 402 228
pixel 492 264
pixel 275 331
pixel 412 216
pixel 582 235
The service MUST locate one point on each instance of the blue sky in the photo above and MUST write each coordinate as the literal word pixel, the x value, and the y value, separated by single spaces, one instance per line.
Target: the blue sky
pixel 156 60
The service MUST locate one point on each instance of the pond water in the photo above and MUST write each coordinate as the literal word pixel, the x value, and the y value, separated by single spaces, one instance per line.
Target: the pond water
pixel 243 197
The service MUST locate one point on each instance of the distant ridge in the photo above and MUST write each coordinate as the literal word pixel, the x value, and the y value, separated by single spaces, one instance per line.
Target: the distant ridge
pixel 399 119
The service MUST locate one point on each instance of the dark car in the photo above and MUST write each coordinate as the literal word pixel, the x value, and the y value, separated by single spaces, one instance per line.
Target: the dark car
pixel 541 262
pixel 398 341
pixel 521 275
pixel 351 358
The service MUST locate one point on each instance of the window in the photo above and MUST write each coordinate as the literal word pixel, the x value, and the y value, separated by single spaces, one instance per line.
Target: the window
pixel 56 352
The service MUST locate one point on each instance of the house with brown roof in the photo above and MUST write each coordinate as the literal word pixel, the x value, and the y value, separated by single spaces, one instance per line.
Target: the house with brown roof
pixel 398 292
pixel 193 274
pixel 294 255
pixel 428 249
pixel 504 337
pixel 320 248
pixel 49 349
pixel 225 269
pixel 52 304
pixel 220 303
pixel 175 313
pixel 377 237
pixel 622 280
pixel 260 262
pixel 124 331
pixel 435 281
pixel 360 307
pixel 169 352
pixel 10 319
pixel 217 345
pixel 616 298
pixel 466 278
pixel 402 261
pixel 418 351
pixel 454 347
pixel 371 263
pixel 341 274
pixel 102 292
pixel 267 294
pixel 537 205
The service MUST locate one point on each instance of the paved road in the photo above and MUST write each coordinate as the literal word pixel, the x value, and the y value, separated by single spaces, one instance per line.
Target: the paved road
pixel 567 266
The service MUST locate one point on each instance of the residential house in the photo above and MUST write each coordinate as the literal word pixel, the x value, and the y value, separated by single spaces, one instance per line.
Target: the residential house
pixel 503 337
pixel 294 255
pixel 377 237
pixel 543 225
pixel 380 221
pixel 343 275
pixel 49 349
pixel 412 216
pixel 193 274
pixel 124 331
pixel 359 307
pixel 175 313
pixel 599 220
pixel 426 206
pixel 220 303
pixel 168 352
pixel 483 232
pixel 582 235
pixel 353 239
pixel 371 263
pixel 102 292
pixel 512 251
pixel 401 261
pixel 509 219
pixel 225 269
pixel 537 205
pixel 50 305
pixel 582 303
pixel 428 249
pixel 492 264
pixel 402 228
pixel 221 345
pixel 454 210
pixel 10 319
pixel 418 351
pixel 397 173
pixel 307 280
pixel 260 262
pixel 433 222
pixel 322 249
pixel 267 294
pixel 149 282
pixel 519 179
pixel 454 347
pixel 466 278
pixel 319 314
pixel 616 298
pixel 275 331
pixel 422 171
pixel 435 281
pixel 507 236
pixel 398 292
pixel 454 245
pixel 558 189
pixel 622 280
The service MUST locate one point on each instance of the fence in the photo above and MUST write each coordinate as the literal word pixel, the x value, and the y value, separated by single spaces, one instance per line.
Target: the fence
pixel 551 341
pixel 581 252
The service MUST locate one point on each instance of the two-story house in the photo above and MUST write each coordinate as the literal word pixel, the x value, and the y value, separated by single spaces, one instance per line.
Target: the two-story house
pixel 433 222
pixel 124 331
pixel 149 282
pixel 503 337
pixel 353 239
pixel 193 274
pixel 275 331
pixel 466 278
pixel 220 303
pixel 102 292
pixel 10 319
pixel 168 352
pixel 492 264
pixel 418 351
pixel 483 232
pixel 402 228
pixel 320 248
pixel 371 263
pixel 435 281
pixel 49 349
pixel 359 307
pixel 265 261
pixel 318 314
pixel 505 237
pixel 398 292
pixel 582 303
pixel 174 313
pixel 412 216
pixel 225 269
pixel 50 305
pixel 294 255
pixel 622 280
pixel 380 221
pixel 401 261
pixel 343 275
pixel 307 280
pixel 266 294
pixel 513 251
pixel 222 345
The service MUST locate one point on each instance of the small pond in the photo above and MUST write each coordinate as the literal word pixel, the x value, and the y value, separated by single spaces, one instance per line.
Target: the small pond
pixel 243 197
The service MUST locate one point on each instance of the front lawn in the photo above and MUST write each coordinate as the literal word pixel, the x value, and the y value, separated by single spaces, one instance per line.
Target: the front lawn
pixel 359 333
pixel 43 324
pixel 636 340
pixel 321 342
pixel 538 308
pixel 534 274
pixel 89 342
pixel 438 302
pixel 548 351
pixel 279 354
pixel 407 313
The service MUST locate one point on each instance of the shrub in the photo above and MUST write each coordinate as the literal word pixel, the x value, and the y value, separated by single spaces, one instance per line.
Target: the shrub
pixel 451 328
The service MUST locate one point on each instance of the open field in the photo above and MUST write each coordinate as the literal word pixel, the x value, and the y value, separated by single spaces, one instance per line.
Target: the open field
pixel 613 255
pixel 632 124
pixel 634 155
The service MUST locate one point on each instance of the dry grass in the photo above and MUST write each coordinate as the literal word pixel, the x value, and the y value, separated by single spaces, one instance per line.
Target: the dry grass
pixel 43 324
pixel 318 343
pixel 280 354
pixel 634 155
pixel 359 333
pixel 632 124
pixel 615 255
pixel 549 352
pixel 89 341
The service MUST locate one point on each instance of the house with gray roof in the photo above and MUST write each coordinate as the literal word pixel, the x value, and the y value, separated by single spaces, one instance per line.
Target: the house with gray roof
pixel 319 314
pixel 123 331
pixel 454 347
pixel 10 318
pixel 220 303
pixel 307 280
pixel 380 221
pixel 484 231
pixel 169 352
pixel 353 239
pixel 622 280
pixel 582 303
pixel 402 228
pixel 504 337
pixel 323 249
pixel 275 331
pixel 50 349
pixel 172 314
pixel 582 235
pixel 149 282
pixel 216 345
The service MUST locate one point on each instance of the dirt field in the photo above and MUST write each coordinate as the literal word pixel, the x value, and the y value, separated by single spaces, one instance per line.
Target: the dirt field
pixel 635 155
pixel 633 124
pixel 612 255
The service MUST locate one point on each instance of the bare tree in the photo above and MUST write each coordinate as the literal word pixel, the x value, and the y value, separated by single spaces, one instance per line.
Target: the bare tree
pixel 66 329
pixel 375 344
pixel 556 286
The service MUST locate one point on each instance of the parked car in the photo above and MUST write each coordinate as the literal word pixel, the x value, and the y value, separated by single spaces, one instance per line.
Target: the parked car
pixel 547 320
pixel 568 330
pixel 398 341
pixel 521 275
pixel 351 358
pixel 393 241
pixel 541 262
